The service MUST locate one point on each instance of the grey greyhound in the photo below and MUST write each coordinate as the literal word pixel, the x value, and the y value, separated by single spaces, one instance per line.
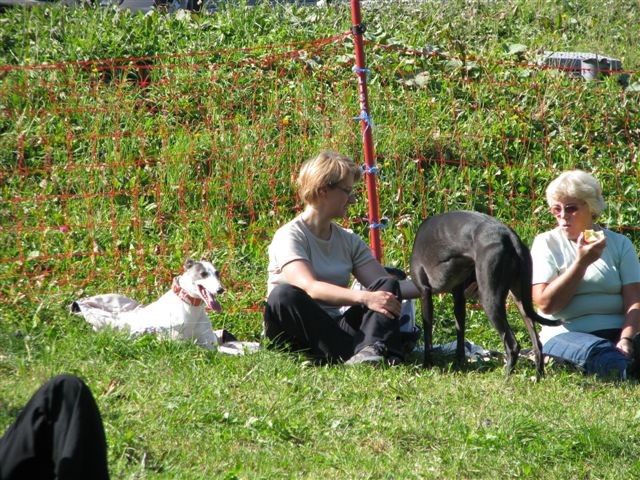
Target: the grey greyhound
pixel 453 250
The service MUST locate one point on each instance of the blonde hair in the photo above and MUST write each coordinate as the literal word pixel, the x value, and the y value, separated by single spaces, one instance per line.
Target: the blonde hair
pixel 326 170
pixel 577 184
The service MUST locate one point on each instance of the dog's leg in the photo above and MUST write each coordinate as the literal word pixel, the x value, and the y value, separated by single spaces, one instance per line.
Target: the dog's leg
pixel 459 310
pixel 427 326
pixel 511 345
pixel 535 339
pixel 493 283
pixel 204 334
pixel 494 306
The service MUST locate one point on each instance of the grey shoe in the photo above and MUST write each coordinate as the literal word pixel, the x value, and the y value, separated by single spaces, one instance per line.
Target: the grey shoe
pixel 369 354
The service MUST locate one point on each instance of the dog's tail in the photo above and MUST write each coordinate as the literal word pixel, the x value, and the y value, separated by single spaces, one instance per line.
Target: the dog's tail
pixel 526 274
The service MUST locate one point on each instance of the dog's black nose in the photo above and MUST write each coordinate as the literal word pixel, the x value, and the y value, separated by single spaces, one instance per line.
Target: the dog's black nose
pixel 220 290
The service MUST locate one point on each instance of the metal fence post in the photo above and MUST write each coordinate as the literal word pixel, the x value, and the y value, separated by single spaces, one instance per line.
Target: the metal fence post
pixel 370 169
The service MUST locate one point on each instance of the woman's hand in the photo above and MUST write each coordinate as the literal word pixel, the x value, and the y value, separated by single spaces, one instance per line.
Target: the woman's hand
pixel 625 346
pixel 556 295
pixel 589 252
pixel 631 327
pixel 382 302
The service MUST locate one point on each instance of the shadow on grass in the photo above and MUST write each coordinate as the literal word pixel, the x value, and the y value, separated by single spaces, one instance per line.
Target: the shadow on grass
pixel 447 363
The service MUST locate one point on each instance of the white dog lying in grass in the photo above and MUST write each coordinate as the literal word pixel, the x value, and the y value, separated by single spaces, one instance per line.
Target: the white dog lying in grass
pixel 179 313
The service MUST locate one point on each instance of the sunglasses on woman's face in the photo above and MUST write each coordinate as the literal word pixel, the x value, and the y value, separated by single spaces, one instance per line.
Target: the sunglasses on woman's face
pixel 570 209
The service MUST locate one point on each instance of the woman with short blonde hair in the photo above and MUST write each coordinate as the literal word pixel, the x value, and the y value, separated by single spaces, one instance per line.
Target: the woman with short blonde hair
pixel 327 169
pixel 312 261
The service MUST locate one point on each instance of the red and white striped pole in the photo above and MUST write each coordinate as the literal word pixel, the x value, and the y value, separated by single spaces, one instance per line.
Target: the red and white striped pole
pixel 370 169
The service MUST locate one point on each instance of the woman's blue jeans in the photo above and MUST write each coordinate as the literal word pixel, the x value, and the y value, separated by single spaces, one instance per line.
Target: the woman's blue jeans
pixel 589 352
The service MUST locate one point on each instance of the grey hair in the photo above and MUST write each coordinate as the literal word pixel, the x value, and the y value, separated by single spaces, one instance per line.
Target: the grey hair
pixel 577 184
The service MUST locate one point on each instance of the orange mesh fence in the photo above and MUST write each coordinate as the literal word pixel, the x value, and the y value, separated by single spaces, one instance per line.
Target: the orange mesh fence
pixel 490 136
pixel 114 171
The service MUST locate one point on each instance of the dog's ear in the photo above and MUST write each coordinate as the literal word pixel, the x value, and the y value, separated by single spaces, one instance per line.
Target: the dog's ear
pixel 188 263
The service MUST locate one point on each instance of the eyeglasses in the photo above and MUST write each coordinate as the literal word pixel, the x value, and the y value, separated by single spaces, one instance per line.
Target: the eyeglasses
pixel 348 191
pixel 556 210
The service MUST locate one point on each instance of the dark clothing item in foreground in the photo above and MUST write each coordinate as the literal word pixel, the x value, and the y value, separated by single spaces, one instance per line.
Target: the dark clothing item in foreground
pixel 58 434
pixel 293 318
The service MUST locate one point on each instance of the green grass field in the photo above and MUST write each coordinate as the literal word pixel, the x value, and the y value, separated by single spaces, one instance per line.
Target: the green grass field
pixel 107 187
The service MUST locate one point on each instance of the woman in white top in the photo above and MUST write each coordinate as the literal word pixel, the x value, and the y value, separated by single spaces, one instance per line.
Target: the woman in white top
pixel 591 284
pixel 311 263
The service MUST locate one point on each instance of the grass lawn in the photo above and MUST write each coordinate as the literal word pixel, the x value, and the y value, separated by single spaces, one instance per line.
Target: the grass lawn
pixel 128 142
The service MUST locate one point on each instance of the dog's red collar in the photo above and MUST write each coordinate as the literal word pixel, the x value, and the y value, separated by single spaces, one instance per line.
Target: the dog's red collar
pixel 183 295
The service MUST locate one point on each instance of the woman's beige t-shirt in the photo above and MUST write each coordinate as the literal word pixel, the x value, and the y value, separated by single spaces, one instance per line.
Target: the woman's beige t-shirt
pixel 332 261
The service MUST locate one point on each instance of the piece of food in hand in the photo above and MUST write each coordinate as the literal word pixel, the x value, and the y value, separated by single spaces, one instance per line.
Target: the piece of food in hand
pixel 591 236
